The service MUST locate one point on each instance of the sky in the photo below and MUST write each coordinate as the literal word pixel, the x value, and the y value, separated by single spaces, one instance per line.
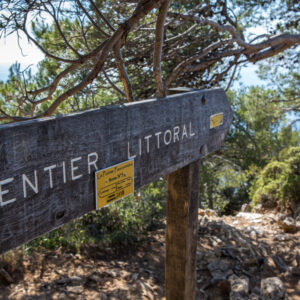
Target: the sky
pixel 10 52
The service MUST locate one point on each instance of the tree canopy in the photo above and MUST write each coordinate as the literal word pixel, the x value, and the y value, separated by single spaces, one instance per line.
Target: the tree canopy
pixel 128 50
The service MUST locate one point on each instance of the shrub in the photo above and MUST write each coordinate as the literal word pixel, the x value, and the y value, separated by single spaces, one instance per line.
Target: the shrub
pixel 279 182
pixel 123 222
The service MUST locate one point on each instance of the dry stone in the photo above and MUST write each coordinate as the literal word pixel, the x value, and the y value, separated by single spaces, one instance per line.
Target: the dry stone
pixel 239 287
pixel 219 269
pixel 75 289
pixel 272 288
pixel 258 208
pixel 254 296
pixel 102 296
pixel 246 208
pixel 288 225
pixel 96 278
pixel 207 212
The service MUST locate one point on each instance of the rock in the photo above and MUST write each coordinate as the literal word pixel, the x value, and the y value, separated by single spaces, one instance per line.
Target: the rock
pixel 246 208
pixel 253 235
pixel 95 278
pixel 280 263
pixel 249 262
pixel 145 289
pixel 282 216
pixel 232 252
pixel 134 276
pixel 254 231
pixel 272 218
pixel 113 273
pixel 218 252
pixel 62 296
pixel 75 289
pixel 201 294
pixel 219 269
pixel 270 263
pixel 203 222
pixel 75 280
pixel 215 241
pixel 295 271
pixel 256 290
pixel 239 287
pixel 282 237
pixel 208 257
pixel 103 296
pixel 293 261
pixel 257 208
pixel 207 212
pixel 297 212
pixel 254 296
pixel 288 225
pixel 201 212
pixel 251 216
pixel 159 290
pixel 78 256
pixel 272 288
pixel 263 250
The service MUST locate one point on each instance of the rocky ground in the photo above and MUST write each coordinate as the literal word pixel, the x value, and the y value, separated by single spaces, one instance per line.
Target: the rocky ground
pixel 249 256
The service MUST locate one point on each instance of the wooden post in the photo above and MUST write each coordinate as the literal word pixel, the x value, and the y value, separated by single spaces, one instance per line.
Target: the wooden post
pixel 182 229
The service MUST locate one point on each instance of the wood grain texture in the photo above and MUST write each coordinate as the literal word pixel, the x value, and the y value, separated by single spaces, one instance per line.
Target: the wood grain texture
pixel 46 165
pixel 182 232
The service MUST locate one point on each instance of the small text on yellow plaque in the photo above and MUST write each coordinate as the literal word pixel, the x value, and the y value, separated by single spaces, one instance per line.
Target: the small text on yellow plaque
pixel 114 183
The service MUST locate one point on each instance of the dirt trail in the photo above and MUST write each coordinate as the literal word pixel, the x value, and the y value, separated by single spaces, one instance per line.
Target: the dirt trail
pixel 235 256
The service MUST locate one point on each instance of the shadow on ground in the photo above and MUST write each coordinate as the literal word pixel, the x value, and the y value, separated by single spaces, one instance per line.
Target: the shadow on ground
pixel 228 247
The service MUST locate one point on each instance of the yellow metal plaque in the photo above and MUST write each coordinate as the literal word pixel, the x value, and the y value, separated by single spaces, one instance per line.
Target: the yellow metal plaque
pixel 114 183
pixel 216 120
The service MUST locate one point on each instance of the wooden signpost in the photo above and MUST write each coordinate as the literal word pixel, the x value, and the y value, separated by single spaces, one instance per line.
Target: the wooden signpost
pixel 56 169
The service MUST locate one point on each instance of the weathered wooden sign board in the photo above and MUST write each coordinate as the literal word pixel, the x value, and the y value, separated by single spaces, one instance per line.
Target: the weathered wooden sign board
pixel 47 166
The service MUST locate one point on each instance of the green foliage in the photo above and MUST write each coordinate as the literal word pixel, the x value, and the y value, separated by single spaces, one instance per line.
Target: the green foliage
pixel 291 190
pixel 121 223
pixel 289 153
pixel 70 236
pixel 222 185
pixel 270 184
pixel 128 220
pixel 260 131
pixel 76 30
pixel 279 181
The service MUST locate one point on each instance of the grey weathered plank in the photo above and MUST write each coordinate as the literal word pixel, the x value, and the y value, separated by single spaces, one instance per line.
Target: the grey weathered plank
pixel 36 151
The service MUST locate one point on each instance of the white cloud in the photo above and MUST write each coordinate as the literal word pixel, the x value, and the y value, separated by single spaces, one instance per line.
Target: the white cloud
pixel 10 51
